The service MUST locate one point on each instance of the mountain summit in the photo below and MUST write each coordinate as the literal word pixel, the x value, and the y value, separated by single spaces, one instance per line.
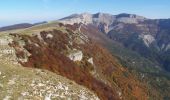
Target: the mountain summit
pixel 102 20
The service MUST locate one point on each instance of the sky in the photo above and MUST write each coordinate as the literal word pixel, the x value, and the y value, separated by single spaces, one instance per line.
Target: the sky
pixel 31 11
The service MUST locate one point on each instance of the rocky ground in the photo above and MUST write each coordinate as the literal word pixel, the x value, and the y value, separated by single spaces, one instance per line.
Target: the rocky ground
pixel 19 83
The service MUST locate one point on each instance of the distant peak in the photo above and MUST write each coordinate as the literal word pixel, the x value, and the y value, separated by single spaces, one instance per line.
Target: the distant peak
pixel 71 16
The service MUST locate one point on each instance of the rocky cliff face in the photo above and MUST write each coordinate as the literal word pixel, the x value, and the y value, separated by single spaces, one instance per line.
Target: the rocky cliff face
pixel 102 20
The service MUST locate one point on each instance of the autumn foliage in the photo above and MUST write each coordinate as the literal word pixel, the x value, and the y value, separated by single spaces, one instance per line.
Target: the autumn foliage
pixel 50 55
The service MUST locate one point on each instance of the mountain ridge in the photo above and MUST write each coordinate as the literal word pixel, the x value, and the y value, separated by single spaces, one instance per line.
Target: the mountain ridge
pixel 19 26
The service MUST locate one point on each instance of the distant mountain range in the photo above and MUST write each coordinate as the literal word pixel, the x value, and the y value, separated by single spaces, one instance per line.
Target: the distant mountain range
pixel 19 26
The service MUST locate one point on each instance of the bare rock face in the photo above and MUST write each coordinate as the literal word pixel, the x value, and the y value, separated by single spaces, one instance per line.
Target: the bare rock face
pixel 84 18
pixel 7 54
pixel 76 55
pixel 103 21
pixel 148 39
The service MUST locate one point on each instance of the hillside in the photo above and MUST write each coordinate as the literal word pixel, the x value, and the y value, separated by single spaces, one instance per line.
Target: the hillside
pixel 157 80
pixel 140 44
pixel 67 51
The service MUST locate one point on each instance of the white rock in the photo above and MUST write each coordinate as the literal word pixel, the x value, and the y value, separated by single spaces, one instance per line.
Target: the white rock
pixel 167 47
pixel 82 96
pixel 90 61
pixel 39 36
pixel 24 93
pixel 84 18
pixel 48 97
pixel 60 86
pixel 37 45
pixel 66 88
pixel 40 84
pixel 49 36
pixel 76 55
pixel 147 39
pixel 23 60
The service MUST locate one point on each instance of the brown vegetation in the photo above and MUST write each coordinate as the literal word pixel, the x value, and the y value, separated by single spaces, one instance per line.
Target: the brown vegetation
pixel 50 55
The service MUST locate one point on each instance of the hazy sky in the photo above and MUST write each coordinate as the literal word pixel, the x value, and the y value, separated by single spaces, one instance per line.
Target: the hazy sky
pixel 18 11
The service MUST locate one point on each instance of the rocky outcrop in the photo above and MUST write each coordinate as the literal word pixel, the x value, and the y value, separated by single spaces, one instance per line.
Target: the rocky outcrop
pixel 76 55
pixel 84 18
pixel 90 60
pixel 147 39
